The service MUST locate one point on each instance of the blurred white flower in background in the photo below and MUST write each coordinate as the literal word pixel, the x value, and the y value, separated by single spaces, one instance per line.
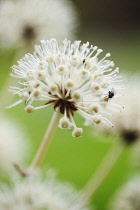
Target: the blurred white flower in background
pixel 70 78
pixel 26 21
pixel 127 122
pixel 128 197
pixel 35 193
pixel 13 143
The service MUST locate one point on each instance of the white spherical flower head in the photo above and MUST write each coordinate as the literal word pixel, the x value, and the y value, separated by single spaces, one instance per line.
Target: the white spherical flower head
pixel 68 83
pixel 34 193
pixel 36 20
pixel 128 196
pixel 13 147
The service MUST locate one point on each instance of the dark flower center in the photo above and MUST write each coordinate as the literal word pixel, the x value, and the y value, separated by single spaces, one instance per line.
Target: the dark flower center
pixel 64 104
pixel 129 136
pixel 29 33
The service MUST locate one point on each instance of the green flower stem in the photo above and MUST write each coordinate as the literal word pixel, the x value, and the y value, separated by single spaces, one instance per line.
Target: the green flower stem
pixel 46 141
pixel 102 172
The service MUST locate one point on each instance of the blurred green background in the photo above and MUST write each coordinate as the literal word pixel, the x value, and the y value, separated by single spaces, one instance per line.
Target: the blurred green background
pixel 114 27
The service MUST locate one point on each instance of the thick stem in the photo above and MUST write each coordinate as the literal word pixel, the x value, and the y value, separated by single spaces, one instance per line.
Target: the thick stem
pixel 102 172
pixel 46 141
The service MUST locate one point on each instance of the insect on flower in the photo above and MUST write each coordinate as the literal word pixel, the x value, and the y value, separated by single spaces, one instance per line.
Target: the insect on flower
pixel 69 78
pixel 111 93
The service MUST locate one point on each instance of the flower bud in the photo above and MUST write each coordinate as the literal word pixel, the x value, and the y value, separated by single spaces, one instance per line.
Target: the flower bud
pixel 64 123
pixel 94 87
pixel 84 74
pixel 29 109
pixel 94 108
pixel 53 88
pixel 77 132
pixel 97 119
pixel 76 96
pixel 61 69
pixel 69 84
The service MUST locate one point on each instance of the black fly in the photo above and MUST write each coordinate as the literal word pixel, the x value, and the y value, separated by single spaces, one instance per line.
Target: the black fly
pixel 111 93
pixel 84 60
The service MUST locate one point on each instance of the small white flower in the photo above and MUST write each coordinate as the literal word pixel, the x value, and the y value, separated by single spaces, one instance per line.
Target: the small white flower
pixel 94 87
pixel 33 193
pixel 64 123
pixel 77 132
pixel 13 148
pixel 27 21
pixel 76 96
pixel 128 197
pixel 84 74
pixel 69 82
pixel 53 89
pixel 61 69
pixel 97 119
pixel 94 108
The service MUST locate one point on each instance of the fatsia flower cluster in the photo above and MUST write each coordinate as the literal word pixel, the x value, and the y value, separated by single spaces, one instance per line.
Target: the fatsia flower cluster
pixel 71 79
pixel 26 21
pixel 13 144
pixel 128 197
pixel 34 193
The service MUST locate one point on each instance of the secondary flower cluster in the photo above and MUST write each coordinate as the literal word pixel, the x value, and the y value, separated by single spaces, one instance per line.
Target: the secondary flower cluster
pixel 128 196
pixel 71 79
pixel 13 145
pixel 33 193
pixel 128 128
pixel 23 21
